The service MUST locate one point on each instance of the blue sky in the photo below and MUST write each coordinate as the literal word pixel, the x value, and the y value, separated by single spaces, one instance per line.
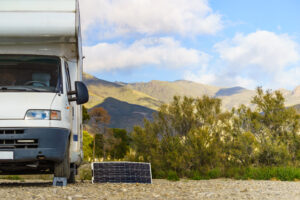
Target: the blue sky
pixel 227 43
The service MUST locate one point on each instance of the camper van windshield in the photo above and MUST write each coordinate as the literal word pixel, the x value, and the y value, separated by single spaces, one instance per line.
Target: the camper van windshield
pixel 29 74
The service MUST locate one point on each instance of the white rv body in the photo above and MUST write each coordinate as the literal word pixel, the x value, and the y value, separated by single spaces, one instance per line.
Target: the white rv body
pixel 45 28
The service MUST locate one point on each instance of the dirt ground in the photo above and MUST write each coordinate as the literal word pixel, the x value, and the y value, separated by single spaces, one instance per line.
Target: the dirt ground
pixel 160 189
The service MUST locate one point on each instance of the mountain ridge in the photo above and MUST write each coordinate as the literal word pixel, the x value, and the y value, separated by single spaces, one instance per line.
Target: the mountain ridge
pixel 100 89
pixel 142 99
pixel 153 93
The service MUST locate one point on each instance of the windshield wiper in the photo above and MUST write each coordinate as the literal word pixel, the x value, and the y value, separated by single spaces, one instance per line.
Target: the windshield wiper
pixel 11 89
pixel 19 89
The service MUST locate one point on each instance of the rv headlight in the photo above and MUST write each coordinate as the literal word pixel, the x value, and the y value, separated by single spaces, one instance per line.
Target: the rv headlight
pixel 55 115
pixel 43 115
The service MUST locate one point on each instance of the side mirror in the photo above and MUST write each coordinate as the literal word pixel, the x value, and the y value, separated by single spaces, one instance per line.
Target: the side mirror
pixel 81 92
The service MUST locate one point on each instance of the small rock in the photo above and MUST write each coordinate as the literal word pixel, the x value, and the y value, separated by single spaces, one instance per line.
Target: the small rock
pixel 244 190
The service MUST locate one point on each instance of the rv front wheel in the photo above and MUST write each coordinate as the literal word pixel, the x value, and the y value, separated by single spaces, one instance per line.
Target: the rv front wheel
pixel 62 169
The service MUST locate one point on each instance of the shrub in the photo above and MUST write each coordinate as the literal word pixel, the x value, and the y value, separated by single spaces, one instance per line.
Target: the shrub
pixel 12 177
pixel 214 173
pixel 172 176
pixel 196 175
pixel 158 174
pixel 195 138
pixel 85 172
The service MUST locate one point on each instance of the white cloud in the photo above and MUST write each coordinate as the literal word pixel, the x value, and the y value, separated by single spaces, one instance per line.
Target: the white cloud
pixel 223 80
pixel 244 82
pixel 287 79
pixel 263 49
pixel 200 77
pixel 261 58
pixel 161 52
pixel 118 17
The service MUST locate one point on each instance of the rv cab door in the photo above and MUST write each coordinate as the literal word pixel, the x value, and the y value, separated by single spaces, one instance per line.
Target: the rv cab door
pixel 68 87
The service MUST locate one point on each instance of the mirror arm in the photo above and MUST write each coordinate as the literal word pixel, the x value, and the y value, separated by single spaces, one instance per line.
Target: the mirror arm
pixel 72 92
pixel 72 99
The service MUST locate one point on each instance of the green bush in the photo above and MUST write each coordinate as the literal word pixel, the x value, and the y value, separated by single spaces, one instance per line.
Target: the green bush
pixel 194 138
pixel 158 174
pixel 214 173
pixel 196 175
pixel 87 146
pixel 172 176
pixel 12 177
pixel 264 173
pixel 206 174
pixel 85 172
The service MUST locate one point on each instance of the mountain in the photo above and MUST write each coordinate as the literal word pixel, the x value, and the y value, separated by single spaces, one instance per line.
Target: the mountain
pixel 229 91
pixel 99 90
pixel 165 91
pixel 296 91
pixel 119 96
pixel 125 115
pixel 152 94
pixel 297 107
pixel 292 97
pixel 234 100
pixel 245 96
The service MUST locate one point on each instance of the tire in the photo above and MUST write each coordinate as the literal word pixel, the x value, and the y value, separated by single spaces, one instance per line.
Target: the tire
pixel 62 169
pixel 71 179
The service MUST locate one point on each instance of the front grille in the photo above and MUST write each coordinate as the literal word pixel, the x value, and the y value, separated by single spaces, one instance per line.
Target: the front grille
pixel 11 131
pixel 19 144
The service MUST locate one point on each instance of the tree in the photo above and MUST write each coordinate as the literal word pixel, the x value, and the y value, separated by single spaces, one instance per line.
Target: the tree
pixel 122 143
pixel 240 143
pixel 99 118
pixel 184 135
pixel 85 115
pixel 87 146
pixel 276 127
pixel 194 134
pixel 267 135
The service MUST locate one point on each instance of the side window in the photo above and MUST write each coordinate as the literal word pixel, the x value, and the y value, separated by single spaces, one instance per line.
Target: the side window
pixel 69 88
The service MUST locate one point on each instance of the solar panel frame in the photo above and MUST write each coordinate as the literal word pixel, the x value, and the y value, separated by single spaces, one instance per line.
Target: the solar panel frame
pixel 121 172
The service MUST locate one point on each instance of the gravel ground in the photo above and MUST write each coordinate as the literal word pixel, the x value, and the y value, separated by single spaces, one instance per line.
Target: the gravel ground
pixel 160 189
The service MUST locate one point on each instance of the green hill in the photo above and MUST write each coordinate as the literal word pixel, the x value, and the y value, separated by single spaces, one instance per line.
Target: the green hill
pixel 100 90
pixel 125 115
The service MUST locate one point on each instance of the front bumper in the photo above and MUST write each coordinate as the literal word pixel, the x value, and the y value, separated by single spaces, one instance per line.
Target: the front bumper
pixel 49 144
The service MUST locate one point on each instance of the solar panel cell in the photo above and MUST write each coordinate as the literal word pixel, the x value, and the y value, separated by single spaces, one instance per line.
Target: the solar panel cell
pixel 121 172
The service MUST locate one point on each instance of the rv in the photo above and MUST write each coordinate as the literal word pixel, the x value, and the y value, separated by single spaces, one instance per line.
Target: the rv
pixel 41 88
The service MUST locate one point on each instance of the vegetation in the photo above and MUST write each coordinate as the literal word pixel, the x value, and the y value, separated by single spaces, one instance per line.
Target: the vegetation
pixel 172 176
pixel 104 143
pixel 85 115
pixel 85 172
pixel 194 138
pixel 87 146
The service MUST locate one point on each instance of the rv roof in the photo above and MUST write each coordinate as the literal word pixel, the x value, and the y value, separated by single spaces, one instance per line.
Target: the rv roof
pixel 38 18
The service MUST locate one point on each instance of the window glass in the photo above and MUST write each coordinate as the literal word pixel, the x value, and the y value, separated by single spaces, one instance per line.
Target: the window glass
pixel 30 73
pixel 69 87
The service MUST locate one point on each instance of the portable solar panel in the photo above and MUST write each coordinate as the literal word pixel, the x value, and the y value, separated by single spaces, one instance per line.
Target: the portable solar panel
pixel 121 172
